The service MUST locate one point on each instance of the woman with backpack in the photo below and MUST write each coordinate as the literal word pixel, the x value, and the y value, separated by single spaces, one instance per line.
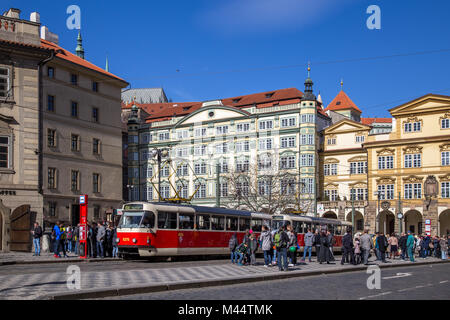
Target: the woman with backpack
pixel 69 237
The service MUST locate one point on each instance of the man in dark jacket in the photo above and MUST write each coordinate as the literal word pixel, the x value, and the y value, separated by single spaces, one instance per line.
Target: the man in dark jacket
pixel 316 243
pixel 281 241
pixel 347 245
pixel 402 245
pixel 324 253
pixel 382 246
pixel 37 235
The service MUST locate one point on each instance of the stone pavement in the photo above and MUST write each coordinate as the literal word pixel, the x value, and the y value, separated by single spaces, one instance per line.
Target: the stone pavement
pixel 41 286
pixel 11 258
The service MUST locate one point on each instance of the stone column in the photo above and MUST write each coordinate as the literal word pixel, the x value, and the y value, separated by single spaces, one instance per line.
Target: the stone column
pixel 431 214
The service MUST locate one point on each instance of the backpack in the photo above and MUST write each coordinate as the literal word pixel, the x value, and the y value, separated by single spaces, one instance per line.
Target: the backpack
pixel 69 235
pixel 232 243
pixel 279 241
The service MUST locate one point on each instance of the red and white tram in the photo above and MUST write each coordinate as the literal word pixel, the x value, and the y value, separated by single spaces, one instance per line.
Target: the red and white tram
pixel 166 229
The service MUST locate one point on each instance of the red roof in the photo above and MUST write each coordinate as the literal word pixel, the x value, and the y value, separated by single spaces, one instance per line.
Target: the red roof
pixel 165 111
pixel 370 121
pixel 342 102
pixel 68 56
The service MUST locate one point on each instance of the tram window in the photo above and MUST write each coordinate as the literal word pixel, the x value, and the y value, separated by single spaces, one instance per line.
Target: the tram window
pixel 167 220
pixel 232 224
pixel 203 222
pixel 256 225
pixel 186 222
pixel 244 224
pixel 317 227
pixel 217 223
pixel 339 230
pixel 148 221
pixel 297 225
pixel 308 226
pixel 331 228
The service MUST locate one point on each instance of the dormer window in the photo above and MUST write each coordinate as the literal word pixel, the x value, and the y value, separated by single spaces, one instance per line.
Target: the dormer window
pixel 338 103
pixel 237 100
pixel 269 95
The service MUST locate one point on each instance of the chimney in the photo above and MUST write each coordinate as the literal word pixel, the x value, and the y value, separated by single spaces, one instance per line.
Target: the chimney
pixel 35 17
pixel 13 13
pixel 49 36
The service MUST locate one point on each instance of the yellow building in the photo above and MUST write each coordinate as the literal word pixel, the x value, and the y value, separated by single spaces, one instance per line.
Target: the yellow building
pixel 405 164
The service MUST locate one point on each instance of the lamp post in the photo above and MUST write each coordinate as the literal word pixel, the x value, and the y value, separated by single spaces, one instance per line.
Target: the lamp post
pixel 159 154
pixel 379 194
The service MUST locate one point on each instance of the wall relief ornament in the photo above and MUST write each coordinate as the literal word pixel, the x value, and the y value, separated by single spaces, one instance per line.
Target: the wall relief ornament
pixel 413 150
pixel 358 159
pixel 386 152
pixel 445 147
pixel 412 119
pixel 413 179
pixel 445 178
pixel 331 161
pixel 386 180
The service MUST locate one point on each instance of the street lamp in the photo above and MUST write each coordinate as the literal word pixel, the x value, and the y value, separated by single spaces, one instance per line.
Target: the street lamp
pixel 379 194
pixel 159 154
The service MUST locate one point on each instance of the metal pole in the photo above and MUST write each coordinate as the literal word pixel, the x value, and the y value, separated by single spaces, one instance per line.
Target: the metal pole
pixel 400 211
pixel 159 175
pixel 218 185
pixel 353 211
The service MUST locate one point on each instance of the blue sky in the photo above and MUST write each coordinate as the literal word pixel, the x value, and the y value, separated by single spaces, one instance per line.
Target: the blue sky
pixel 207 49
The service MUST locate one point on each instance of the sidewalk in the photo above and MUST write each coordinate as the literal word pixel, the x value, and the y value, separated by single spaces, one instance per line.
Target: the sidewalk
pixel 12 258
pixel 116 283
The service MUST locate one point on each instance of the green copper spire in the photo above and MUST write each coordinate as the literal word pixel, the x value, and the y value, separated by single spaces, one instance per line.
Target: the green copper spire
pixel 79 50
pixel 107 64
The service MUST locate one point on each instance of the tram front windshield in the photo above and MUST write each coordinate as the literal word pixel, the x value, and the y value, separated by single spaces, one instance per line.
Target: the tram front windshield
pixel 137 219
pixel 277 224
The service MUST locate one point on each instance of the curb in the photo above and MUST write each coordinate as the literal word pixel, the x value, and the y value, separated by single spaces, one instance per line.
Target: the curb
pixel 194 284
pixel 62 260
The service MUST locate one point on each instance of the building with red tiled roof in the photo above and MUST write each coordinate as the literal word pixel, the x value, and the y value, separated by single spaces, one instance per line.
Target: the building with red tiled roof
pixel 342 104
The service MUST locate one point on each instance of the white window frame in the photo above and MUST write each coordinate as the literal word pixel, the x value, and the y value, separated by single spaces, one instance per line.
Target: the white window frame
pixel 264 125
pixel 8 82
pixel 445 158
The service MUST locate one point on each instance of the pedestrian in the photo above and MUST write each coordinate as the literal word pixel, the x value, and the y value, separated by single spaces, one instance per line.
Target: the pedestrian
pixel 402 245
pixel 101 233
pixel 393 242
pixel 108 241
pixel 366 246
pixel 324 255
pixel 253 247
pixel 76 239
pixel 93 241
pixel 232 245
pixel 437 246
pixel 357 246
pixel 410 246
pixel 377 249
pixel 309 240
pixel 57 236
pixel 266 245
pixel 247 241
pixel 114 243
pixel 274 248
pixel 316 243
pixel 69 238
pixel 241 252
pixel 382 244
pixel 37 235
pixel 347 245
pixel 281 241
pixel 293 244
pixel 331 244
pixel 444 248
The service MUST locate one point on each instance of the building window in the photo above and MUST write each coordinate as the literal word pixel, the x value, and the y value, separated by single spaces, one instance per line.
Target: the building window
pixel 222 130
pixel 182 152
pixel 183 191
pixel 96 212
pixel 183 170
pixel 413 160
pixel 264 187
pixel 288 186
pixel 242 188
pixel 5 82
pixel 266 125
pixel 52 209
pixel 386 192
pixel 222 148
pixel 201 191
pixel 288 142
pixel 359 194
pixel 5 152
pixel 264 163
pixel 95 115
pixel 413 191
pixel 94 86
pixel 243 165
pixel 74 109
pixel 330 169
pixel 288 122
pixel 223 166
pixel 385 162
pixel 164 136
pixel 243 127
pixel 200 150
pixel 265 144
pixel 307 185
pixel 445 190
pixel 307 160
pixel 149 193
pixel 445 158
pixel 307 139
pixel 74 79
pixel 51 179
pixel 95 182
pixel 413 127
pixel 288 162
pixel 223 188
pixel 243 146
pixel 331 141
pixel 360 139
pixel 358 167
pixel 75 180
pixel 75 145
pixel 51 103
pixel 308 118
pixel 200 168
pixel 331 195
pixel 51 72
pixel 445 124
pixel 200 132
pixel 182 134
pixel 96 146
pixel 51 138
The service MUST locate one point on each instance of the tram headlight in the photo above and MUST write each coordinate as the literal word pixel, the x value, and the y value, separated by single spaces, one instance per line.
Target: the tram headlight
pixel 134 240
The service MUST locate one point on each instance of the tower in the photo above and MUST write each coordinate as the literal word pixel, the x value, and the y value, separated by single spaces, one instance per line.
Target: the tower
pixel 308 148
pixel 79 50
pixel 133 153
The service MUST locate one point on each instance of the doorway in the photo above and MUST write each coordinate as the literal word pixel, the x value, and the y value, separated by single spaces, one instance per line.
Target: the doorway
pixel 75 215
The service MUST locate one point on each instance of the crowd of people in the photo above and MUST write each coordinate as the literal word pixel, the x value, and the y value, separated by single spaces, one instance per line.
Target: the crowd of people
pixel 65 239
pixel 281 248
